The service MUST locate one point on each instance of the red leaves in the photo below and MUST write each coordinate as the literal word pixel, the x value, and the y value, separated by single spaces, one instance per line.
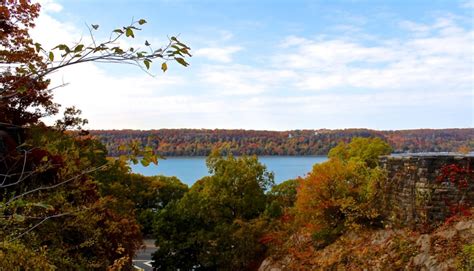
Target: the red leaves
pixel 23 95
pixel 456 175
pixel 460 177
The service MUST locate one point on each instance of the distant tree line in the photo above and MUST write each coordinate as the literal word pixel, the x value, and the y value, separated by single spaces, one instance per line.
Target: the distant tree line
pixel 200 142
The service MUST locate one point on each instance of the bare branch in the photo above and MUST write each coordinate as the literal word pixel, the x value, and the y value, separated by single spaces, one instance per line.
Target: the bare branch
pixel 37 224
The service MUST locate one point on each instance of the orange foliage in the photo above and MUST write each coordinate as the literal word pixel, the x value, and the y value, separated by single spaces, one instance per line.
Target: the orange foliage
pixel 200 142
pixel 337 193
pixel 22 91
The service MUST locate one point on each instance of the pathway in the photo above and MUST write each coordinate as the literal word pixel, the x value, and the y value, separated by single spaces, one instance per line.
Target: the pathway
pixel 143 258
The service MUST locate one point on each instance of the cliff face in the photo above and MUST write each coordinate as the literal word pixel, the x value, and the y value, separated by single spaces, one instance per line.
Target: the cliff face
pixel 419 195
pixel 449 247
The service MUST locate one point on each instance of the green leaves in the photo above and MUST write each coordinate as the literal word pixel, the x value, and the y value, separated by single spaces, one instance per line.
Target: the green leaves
pixel 38 47
pixel 129 32
pixel 63 47
pixel 145 162
pixel 147 63
pixel 79 48
pixel 134 152
pixel 110 51
pixel 181 61
pixel 366 150
pixel 118 50
pixel 177 51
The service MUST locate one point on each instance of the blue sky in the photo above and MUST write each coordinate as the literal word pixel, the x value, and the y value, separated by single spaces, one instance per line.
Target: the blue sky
pixel 277 65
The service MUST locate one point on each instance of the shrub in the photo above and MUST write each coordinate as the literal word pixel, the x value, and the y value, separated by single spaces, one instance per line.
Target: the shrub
pixel 342 193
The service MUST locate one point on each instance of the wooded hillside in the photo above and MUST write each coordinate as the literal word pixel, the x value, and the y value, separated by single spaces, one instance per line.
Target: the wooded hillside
pixel 199 142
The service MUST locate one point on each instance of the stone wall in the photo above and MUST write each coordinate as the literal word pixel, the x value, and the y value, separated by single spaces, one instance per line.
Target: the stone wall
pixel 414 196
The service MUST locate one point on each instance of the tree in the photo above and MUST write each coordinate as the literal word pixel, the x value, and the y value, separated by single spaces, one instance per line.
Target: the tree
pixel 52 211
pixel 344 192
pixel 281 197
pixel 147 195
pixel 367 150
pixel 20 95
pixel 216 225
pixel 56 207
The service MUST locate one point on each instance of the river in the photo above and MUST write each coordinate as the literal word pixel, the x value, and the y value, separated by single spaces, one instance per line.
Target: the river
pixel 191 169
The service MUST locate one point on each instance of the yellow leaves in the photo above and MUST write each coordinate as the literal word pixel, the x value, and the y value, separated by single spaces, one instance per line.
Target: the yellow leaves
pixel 16 256
pixel 339 194
pixel 119 264
pixel 120 249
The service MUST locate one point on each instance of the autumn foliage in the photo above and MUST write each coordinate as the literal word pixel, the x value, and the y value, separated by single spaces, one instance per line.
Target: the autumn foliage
pixel 338 223
pixel 342 193
pixel 200 142
pixel 63 204
pixel 460 177
pixel 25 98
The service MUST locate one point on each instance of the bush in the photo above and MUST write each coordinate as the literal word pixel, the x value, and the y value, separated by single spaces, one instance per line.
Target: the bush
pixel 342 193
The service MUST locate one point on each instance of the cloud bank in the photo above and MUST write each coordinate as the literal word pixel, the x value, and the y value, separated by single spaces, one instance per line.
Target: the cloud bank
pixel 422 77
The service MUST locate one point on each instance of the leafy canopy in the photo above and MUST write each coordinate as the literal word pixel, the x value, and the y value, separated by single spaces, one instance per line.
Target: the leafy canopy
pixel 343 193
pixel 216 224
pixel 367 150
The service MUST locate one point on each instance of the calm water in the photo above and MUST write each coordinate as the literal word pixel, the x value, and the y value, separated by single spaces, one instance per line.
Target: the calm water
pixel 191 169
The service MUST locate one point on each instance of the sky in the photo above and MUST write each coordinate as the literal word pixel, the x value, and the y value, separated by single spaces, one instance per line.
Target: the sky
pixel 275 65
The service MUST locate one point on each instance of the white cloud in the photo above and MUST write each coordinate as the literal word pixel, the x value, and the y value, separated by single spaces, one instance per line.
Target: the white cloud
pixel 50 6
pixel 51 32
pixel 293 41
pixel 440 60
pixel 467 4
pixel 218 54
pixel 243 79
pixel 414 27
